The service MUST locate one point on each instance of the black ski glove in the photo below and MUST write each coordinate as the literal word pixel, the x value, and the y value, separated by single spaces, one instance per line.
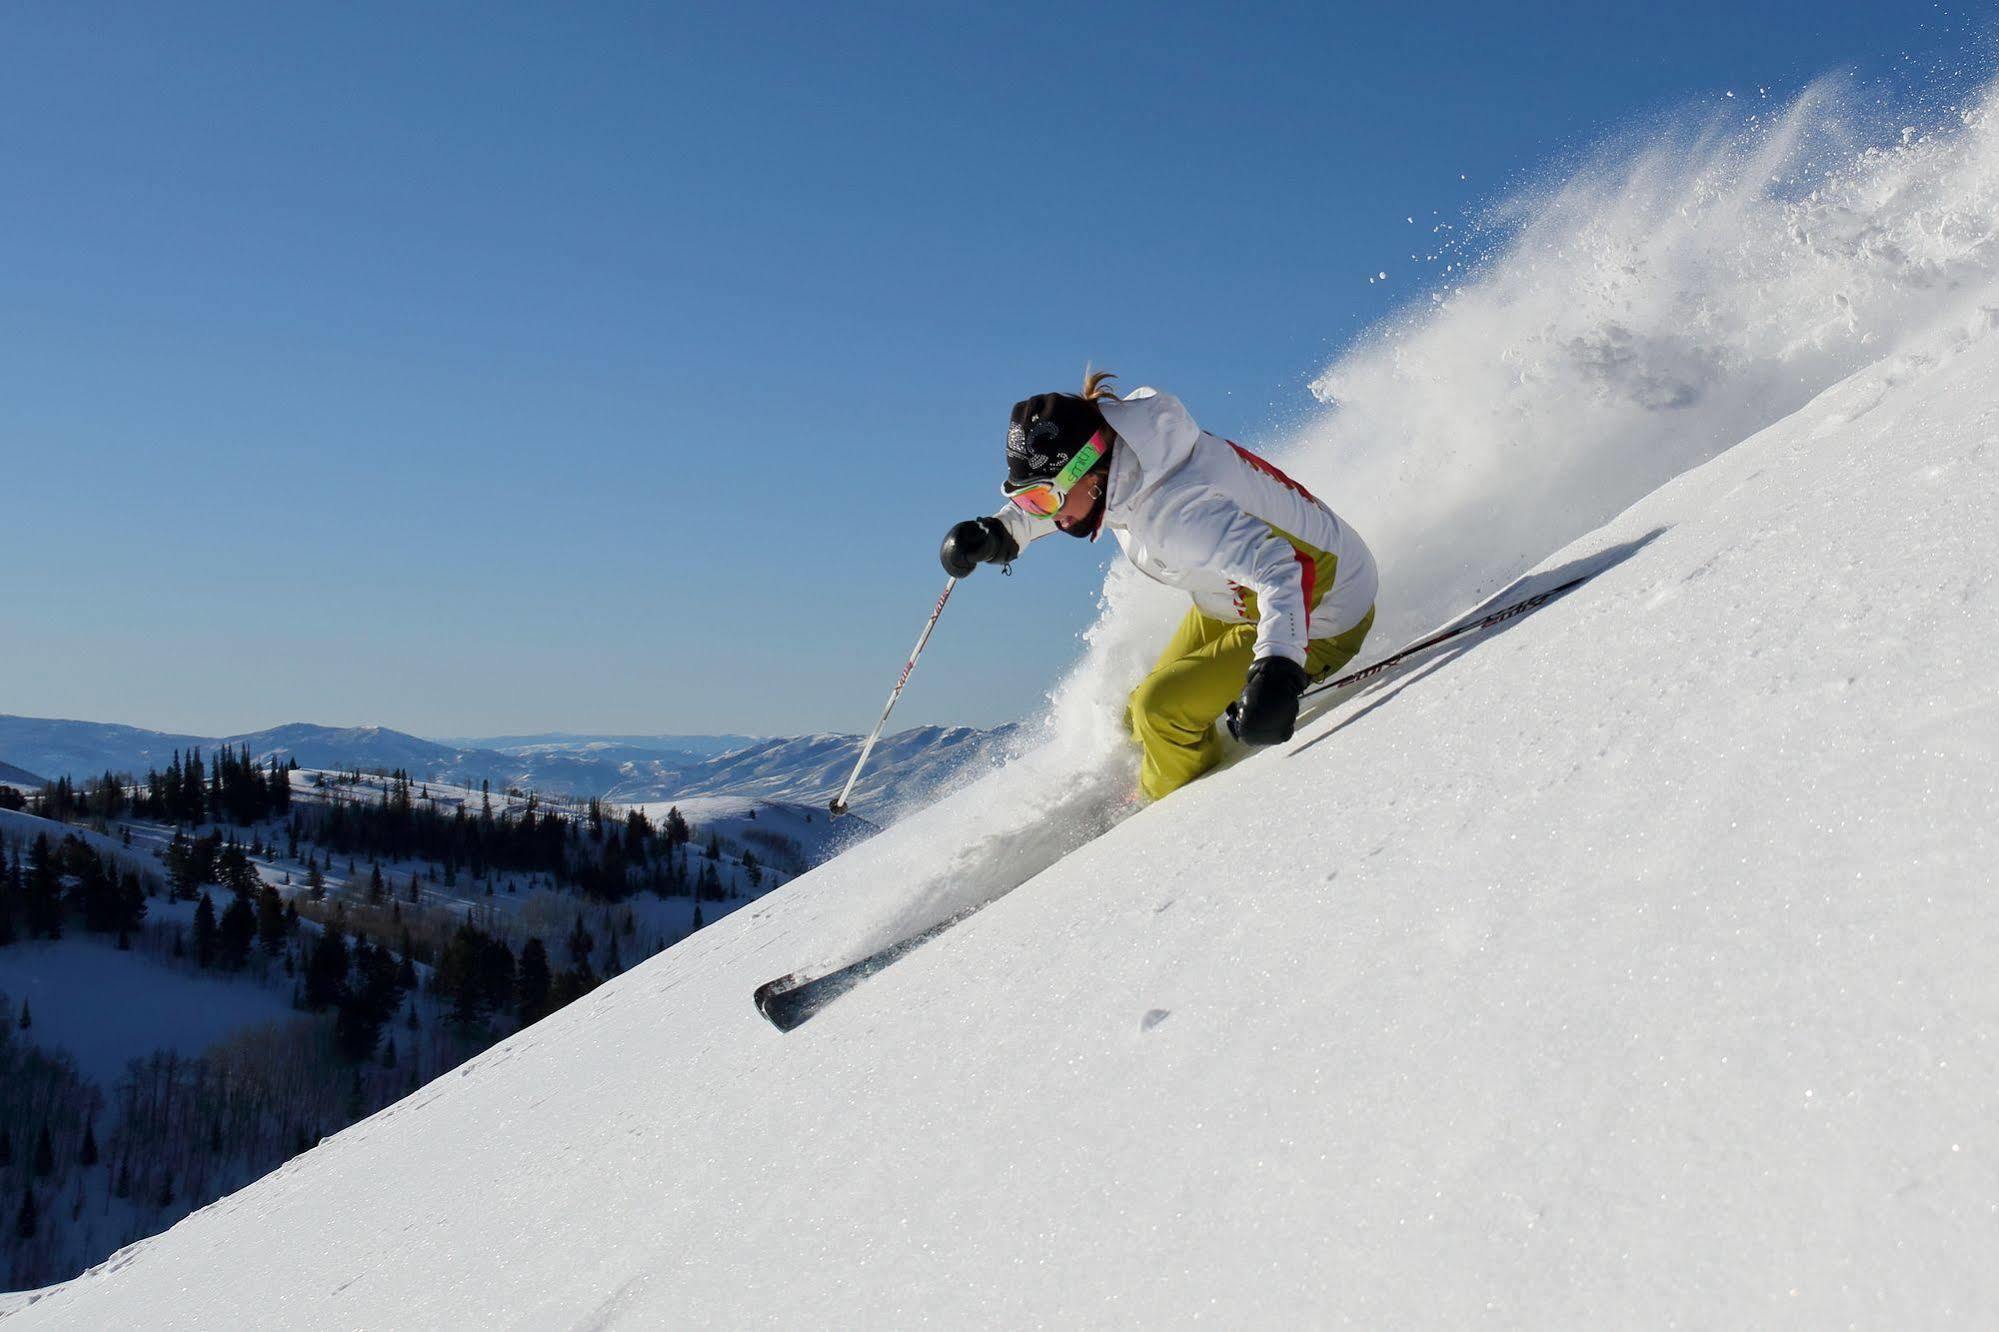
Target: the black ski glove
pixel 974 542
pixel 1268 708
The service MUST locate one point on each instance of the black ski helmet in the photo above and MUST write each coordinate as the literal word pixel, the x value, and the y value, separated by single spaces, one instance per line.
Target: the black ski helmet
pixel 1044 432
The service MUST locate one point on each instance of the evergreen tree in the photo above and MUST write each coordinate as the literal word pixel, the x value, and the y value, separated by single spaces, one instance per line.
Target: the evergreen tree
pixel 95 894
pixel 27 1018
pixel 45 1155
pixel 42 892
pixel 193 790
pixel 237 931
pixel 476 973
pixel 10 896
pixel 531 981
pixel 235 870
pixel 6 1147
pixel 180 869
pixel 87 1157
pixel 270 921
pixel 26 1220
pixel 326 970
pixel 369 1002
pixel 205 932
pixel 131 901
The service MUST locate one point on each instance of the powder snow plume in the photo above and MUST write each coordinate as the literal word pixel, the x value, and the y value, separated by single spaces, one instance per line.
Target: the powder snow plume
pixel 1665 301
pixel 1648 312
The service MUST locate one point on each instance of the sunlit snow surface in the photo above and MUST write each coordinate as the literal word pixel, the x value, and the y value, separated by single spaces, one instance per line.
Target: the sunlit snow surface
pixel 1629 966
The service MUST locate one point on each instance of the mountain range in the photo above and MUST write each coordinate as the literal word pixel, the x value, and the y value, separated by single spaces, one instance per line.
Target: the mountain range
pixel 624 768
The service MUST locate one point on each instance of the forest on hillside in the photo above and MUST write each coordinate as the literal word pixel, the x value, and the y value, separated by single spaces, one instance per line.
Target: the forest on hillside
pixel 393 933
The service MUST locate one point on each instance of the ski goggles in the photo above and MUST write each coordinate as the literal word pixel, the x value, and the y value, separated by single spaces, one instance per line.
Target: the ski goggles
pixel 1044 499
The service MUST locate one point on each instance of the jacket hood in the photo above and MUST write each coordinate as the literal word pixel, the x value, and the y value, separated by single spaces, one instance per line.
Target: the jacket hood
pixel 1158 435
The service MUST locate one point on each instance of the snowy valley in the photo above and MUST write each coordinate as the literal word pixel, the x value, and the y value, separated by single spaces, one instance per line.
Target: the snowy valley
pixel 158 1050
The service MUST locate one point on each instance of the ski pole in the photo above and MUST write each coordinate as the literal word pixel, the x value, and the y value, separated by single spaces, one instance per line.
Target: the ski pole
pixel 1504 613
pixel 839 805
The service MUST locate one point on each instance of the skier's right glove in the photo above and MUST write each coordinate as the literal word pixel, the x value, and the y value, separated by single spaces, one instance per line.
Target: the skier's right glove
pixel 1268 708
pixel 974 542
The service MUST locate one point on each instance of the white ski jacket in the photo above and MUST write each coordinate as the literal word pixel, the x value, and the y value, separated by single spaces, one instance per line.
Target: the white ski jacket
pixel 1200 513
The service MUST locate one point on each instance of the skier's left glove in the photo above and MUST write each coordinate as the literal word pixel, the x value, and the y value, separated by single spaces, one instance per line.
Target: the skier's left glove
pixel 1268 708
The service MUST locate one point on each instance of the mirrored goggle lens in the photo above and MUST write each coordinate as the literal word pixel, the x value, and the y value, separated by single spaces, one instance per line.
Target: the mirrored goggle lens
pixel 1041 501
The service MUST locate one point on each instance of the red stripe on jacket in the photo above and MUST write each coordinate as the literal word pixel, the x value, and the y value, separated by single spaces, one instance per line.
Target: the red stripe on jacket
pixel 1308 569
pixel 1270 470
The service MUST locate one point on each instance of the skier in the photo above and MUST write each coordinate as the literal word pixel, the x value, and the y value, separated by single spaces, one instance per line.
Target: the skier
pixel 1283 590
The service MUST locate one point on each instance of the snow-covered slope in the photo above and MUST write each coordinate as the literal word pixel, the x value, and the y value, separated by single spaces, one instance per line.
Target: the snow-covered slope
pixel 25 828
pixel 1628 966
pixel 787 836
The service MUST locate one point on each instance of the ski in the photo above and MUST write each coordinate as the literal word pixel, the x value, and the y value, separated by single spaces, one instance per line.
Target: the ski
pixel 1497 617
pixel 790 1000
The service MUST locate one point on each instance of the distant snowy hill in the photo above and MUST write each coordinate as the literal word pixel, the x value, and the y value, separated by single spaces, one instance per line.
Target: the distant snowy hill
pixel 1628 965
pixel 912 765
pixel 627 769
pixel 19 778
pixel 675 746
pixel 787 836
pixel 82 749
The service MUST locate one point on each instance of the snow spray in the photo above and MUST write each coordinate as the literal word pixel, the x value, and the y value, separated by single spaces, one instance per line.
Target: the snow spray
pixel 1580 344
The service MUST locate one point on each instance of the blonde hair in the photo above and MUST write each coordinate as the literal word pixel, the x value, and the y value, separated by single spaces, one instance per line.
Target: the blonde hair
pixel 1096 384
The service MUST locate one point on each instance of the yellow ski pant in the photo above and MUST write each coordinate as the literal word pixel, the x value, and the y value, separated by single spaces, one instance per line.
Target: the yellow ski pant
pixel 1200 673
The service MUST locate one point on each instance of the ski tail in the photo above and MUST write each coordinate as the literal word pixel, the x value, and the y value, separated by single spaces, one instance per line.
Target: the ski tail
pixel 1479 625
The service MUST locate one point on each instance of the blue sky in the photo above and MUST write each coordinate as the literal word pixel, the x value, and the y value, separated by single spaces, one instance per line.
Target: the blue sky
pixel 482 368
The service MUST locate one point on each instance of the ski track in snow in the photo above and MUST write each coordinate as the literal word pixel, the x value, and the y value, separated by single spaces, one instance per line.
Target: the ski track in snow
pixel 1629 965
